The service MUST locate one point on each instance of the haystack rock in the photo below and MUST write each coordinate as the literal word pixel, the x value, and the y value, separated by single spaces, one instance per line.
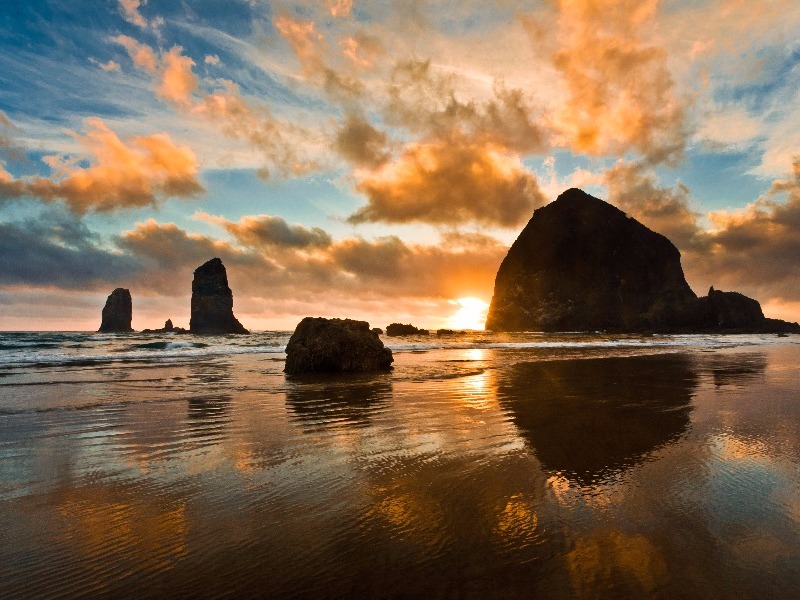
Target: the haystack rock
pixel 580 264
pixel 212 301
pixel 118 312
pixel 321 345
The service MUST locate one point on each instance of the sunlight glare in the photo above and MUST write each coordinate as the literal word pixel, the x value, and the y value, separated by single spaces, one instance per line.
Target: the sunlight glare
pixel 471 314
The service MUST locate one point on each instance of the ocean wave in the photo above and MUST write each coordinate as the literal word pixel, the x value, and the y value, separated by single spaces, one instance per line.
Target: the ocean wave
pixel 169 345
pixel 78 349
pixel 145 355
pixel 649 342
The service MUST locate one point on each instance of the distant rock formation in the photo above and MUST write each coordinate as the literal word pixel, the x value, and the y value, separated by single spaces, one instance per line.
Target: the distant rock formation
pixel 212 301
pixel 580 264
pixel 167 328
pixel 321 345
pixel 377 330
pixel 399 329
pixel 448 332
pixel 118 312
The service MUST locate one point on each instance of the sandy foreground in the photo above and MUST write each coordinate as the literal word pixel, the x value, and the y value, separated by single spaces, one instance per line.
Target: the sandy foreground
pixel 465 472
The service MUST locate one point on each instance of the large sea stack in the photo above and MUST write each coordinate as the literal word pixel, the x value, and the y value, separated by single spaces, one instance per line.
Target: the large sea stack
pixel 212 301
pixel 580 264
pixel 118 312
pixel 321 345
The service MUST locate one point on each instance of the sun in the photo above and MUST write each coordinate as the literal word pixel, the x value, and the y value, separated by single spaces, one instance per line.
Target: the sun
pixel 471 314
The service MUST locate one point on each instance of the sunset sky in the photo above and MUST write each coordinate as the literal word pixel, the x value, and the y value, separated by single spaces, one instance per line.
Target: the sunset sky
pixel 374 160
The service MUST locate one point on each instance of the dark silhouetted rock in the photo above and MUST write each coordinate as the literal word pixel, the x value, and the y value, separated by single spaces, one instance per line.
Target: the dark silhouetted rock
pixel 731 310
pixel 167 328
pixel 735 312
pixel 400 329
pixel 581 264
pixel 321 345
pixel 446 332
pixel 377 330
pixel 118 312
pixel 212 301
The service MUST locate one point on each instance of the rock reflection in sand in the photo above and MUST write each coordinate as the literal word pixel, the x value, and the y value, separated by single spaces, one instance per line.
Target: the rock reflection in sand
pixel 337 400
pixel 588 419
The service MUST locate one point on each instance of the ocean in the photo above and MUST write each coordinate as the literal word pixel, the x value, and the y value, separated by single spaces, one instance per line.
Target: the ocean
pixel 482 466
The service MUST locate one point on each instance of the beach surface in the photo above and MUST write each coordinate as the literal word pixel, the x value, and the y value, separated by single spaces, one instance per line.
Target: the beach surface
pixel 485 465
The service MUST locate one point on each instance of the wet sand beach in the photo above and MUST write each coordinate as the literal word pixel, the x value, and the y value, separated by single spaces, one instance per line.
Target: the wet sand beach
pixel 484 466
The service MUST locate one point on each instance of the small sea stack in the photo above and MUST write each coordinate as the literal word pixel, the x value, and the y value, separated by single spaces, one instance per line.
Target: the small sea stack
pixel 212 301
pixel 320 345
pixel 117 313
pixel 167 328
pixel 404 329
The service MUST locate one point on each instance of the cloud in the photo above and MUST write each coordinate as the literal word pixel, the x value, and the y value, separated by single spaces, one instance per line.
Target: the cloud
pixel 666 210
pixel 266 231
pixel 8 146
pixel 309 47
pixel 130 11
pixel 621 96
pixel 427 102
pixel 362 49
pixel 755 250
pixel 121 174
pixel 56 250
pixel 212 59
pixel 447 183
pixel 276 260
pixel 752 250
pixel 178 82
pixel 142 55
pixel 358 142
pixel 340 8
pixel 282 144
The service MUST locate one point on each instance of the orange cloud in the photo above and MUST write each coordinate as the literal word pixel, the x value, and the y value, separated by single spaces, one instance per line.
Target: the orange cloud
pixel 178 82
pixel 620 93
pixel 449 182
pixel 130 11
pixel 308 45
pixel 121 174
pixel 142 55
pixel 362 49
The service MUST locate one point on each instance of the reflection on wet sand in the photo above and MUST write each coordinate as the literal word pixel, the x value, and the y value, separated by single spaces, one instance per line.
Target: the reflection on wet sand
pixel 611 564
pixel 588 419
pixel 337 401
pixel 742 370
pixel 497 482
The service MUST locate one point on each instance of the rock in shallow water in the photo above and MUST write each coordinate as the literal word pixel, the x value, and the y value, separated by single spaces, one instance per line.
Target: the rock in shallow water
pixel 404 329
pixel 320 345
pixel 212 301
pixel 118 312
